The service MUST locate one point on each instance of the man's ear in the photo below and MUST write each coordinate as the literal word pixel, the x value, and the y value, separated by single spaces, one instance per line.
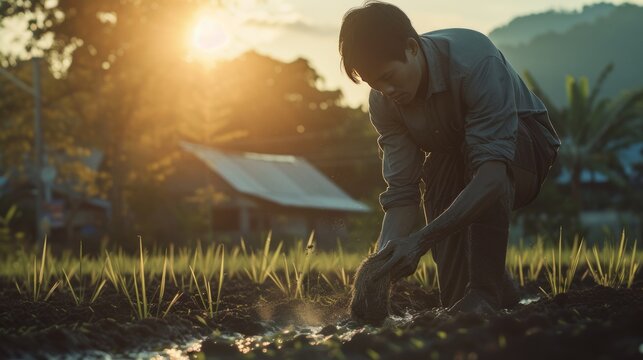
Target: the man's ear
pixel 412 45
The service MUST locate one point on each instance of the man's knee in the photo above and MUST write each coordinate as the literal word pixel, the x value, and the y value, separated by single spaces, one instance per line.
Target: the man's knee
pixel 499 213
pixel 526 187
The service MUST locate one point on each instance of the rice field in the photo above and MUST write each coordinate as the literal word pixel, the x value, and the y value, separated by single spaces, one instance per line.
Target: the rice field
pixel 202 270
pixel 209 283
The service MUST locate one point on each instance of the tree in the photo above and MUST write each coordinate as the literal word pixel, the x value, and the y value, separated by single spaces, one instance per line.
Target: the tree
pixel 279 108
pixel 132 94
pixel 125 58
pixel 593 130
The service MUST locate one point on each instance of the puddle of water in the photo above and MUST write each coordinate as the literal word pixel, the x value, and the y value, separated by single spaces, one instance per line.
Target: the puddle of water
pixel 92 355
pixel 529 300
pixel 173 353
pixel 275 337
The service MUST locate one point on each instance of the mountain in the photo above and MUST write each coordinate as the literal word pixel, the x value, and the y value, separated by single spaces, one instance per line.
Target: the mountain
pixel 523 29
pixel 580 48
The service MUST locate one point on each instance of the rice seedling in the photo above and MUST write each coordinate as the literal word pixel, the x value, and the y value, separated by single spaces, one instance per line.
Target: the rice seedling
pixel 303 271
pixel 37 282
pixel 172 265
pixel 234 263
pixel 208 291
pixel 535 267
pixel 138 302
pixel 161 290
pixel 521 276
pixel 198 289
pixel 97 291
pixel 123 285
pixel 426 274
pixel 171 303
pixel 301 265
pixel 142 309
pixel 5 229
pixel 210 306
pixel 337 270
pixel 71 288
pixel 80 270
pixel 162 286
pixel 513 263
pixel 36 279
pixel 341 272
pixel 559 281
pixel 611 267
pixel 220 285
pixel 110 273
pixel 259 269
pixel 531 258
pixel 285 288
pixel 141 299
pixel 142 273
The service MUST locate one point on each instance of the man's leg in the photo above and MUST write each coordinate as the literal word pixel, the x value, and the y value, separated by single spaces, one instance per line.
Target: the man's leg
pixel 489 286
pixel 487 248
pixel 445 177
pixel 533 159
pixel 444 180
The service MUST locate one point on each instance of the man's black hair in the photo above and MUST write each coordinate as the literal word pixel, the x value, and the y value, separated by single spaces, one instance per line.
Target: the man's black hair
pixel 373 33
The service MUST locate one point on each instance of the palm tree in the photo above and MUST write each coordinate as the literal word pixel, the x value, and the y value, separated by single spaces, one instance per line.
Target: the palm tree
pixel 594 130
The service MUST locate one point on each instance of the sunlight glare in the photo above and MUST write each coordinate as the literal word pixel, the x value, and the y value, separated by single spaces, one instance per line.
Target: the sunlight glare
pixel 209 35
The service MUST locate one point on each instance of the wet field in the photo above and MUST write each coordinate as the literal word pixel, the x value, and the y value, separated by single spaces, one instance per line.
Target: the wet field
pixel 588 322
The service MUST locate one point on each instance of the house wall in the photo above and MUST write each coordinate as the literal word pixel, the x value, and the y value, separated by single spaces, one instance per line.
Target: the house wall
pixel 286 224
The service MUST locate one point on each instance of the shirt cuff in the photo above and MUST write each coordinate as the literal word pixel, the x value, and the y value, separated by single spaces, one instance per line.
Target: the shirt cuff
pixel 497 150
pixel 400 196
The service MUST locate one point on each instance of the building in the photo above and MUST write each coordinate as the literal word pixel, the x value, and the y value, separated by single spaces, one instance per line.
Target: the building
pixel 602 214
pixel 258 193
pixel 68 215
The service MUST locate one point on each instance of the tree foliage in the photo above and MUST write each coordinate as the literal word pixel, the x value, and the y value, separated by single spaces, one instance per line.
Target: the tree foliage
pixel 130 91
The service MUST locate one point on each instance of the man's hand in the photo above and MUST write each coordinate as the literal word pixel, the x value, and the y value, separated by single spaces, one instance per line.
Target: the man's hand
pixel 403 256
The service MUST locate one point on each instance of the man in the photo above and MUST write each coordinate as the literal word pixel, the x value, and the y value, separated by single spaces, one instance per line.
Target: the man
pixel 453 114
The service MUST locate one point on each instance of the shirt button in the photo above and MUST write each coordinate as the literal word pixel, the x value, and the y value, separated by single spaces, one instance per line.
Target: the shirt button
pixel 437 131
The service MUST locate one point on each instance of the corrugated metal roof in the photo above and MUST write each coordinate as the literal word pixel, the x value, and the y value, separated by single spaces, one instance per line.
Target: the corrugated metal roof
pixel 283 179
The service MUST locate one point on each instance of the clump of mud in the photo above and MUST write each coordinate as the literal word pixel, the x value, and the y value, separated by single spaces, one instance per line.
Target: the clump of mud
pixel 370 297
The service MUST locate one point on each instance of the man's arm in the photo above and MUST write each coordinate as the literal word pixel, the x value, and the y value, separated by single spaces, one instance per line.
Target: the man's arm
pixel 401 169
pixel 491 124
pixel 489 183
pixel 398 222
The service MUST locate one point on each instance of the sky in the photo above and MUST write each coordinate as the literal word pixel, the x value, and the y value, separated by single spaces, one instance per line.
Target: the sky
pixel 288 29
pixel 310 29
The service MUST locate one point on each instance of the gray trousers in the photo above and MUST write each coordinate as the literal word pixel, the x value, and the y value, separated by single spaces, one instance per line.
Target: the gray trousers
pixel 475 255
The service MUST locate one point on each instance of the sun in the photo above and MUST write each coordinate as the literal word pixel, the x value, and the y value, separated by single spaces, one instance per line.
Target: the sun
pixel 209 35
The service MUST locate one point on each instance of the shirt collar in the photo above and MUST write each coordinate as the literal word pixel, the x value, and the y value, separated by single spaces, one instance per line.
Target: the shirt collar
pixel 436 81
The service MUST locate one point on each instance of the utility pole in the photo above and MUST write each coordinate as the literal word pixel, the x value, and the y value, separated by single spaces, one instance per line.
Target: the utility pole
pixel 38 149
pixel 38 153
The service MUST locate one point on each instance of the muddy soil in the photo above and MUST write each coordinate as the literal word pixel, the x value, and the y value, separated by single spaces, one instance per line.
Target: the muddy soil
pixel 589 322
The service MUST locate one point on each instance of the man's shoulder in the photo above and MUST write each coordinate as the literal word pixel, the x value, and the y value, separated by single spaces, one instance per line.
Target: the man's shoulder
pixel 458 36
pixel 465 47
pixel 450 32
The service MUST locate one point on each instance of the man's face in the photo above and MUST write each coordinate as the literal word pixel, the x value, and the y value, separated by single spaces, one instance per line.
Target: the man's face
pixel 395 79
